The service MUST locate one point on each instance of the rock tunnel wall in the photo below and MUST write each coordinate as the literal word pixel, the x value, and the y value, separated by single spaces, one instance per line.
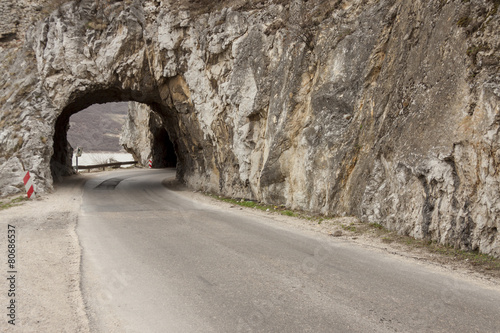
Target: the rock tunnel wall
pixel 387 110
pixel 145 137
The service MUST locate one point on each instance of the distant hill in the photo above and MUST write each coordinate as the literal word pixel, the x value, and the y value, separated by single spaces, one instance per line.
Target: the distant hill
pixel 98 127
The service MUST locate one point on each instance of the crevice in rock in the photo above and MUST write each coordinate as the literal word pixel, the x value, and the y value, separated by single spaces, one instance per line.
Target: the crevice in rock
pixel 428 206
pixel 5 38
pixel 60 163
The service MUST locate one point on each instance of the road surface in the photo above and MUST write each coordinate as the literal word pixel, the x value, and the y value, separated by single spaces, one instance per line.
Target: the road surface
pixel 154 260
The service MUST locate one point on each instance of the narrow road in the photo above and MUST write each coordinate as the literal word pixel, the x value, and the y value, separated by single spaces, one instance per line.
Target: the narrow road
pixel 156 261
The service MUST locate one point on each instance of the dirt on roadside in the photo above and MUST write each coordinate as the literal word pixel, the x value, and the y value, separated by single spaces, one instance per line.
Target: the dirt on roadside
pixel 47 263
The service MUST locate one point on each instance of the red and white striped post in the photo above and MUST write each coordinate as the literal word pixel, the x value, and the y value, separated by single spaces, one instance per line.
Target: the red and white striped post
pixel 28 184
pixel 150 164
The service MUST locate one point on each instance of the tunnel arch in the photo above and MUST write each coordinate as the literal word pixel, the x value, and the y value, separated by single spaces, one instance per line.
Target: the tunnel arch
pixel 164 153
pixel 88 52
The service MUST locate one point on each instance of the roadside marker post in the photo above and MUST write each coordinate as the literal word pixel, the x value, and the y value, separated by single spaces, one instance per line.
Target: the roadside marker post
pixel 28 184
pixel 150 163
pixel 79 152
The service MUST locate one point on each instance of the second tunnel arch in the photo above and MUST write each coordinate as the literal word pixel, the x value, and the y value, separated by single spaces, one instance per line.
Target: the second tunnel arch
pixel 164 148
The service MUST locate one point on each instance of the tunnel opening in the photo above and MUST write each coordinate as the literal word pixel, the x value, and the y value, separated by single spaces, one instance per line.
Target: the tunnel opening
pixel 156 144
pixel 163 152
pixel 97 128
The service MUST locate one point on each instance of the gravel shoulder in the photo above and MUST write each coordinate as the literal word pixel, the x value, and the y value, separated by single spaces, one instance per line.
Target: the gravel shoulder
pixel 47 295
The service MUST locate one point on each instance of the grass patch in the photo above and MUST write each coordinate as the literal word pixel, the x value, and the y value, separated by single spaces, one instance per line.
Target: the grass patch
pixel 473 50
pixel 351 227
pixel 13 202
pixel 243 202
pixel 475 258
pixel 266 208
pixel 482 262
pixel 376 226
pixel 387 240
pixel 463 22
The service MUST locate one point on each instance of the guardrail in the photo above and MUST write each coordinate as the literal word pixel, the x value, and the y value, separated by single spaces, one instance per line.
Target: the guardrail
pixel 97 166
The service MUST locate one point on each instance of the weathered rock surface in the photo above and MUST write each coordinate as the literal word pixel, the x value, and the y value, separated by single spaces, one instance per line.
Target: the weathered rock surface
pixel 136 137
pixel 144 136
pixel 386 110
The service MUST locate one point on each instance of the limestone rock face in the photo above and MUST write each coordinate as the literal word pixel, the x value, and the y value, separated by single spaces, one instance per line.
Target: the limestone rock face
pixel 8 24
pixel 385 110
pixel 136 137
pixel 144 136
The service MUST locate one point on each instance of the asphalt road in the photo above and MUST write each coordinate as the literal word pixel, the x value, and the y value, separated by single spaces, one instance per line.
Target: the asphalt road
pixel 156 261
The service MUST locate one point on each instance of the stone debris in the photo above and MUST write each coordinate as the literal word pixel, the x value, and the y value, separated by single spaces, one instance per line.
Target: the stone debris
pixel 337 233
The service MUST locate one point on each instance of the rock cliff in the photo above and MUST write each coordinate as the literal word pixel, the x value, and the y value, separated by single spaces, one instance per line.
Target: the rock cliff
pixel 144 136
pixel 386 110
pixel 136 136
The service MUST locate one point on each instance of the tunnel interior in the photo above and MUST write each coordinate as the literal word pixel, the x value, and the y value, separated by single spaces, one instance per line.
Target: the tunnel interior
pixel 163 149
